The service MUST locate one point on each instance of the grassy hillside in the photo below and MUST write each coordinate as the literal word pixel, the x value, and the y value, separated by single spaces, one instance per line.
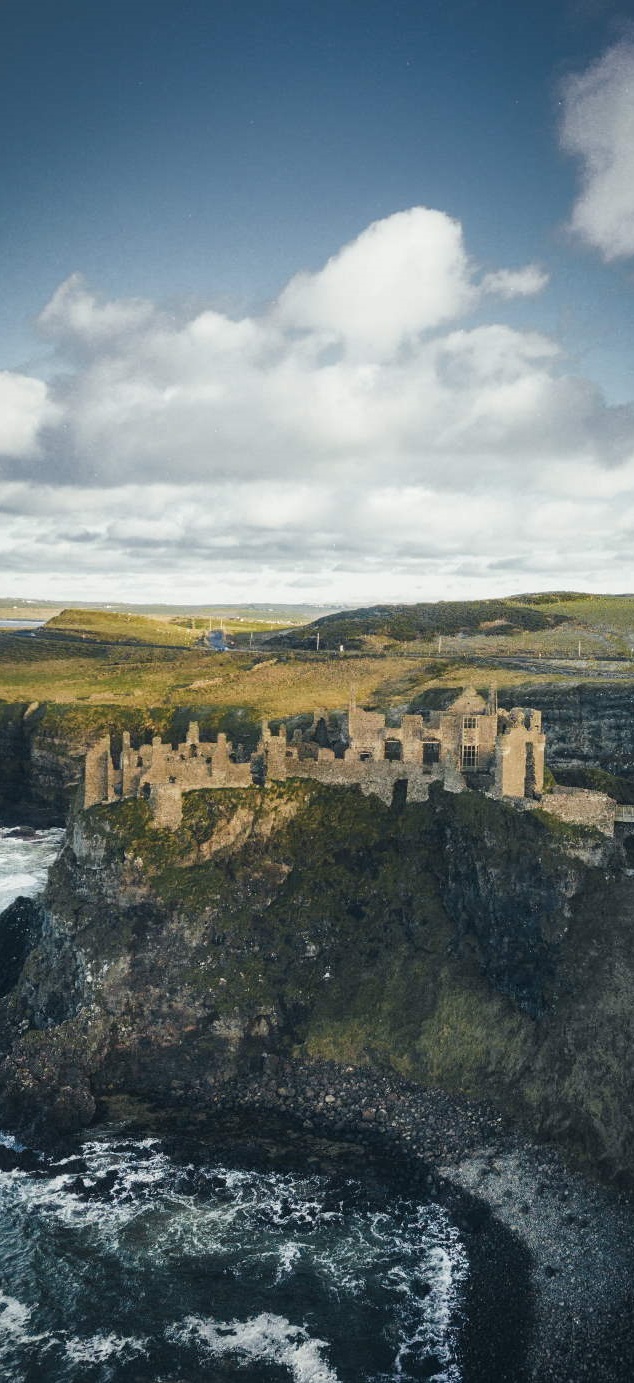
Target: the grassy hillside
pixel 119 628
pixel 602 612
pixel 427 620
pixel 107 658
pixel 140 676
pixel 554 624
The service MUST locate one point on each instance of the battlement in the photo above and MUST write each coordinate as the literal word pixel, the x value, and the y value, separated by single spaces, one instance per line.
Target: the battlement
pixel 161 773
pixel 471 744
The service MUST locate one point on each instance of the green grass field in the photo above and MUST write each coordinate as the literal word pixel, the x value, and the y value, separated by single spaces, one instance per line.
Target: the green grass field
pixel 100 658
pixel 119 628
pixel 554 626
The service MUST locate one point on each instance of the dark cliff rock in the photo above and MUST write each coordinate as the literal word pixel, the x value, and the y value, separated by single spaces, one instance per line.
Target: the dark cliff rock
pixel 508 895
pixel 41 764
pixel 588 724
pixel 20 931
pixel 459 943
pixel 14 758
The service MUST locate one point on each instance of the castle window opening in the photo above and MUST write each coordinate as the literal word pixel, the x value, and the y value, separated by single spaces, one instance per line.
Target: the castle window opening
pixel 393 750
pixel 530 776
pixel 171 780
pixel 431 752
pixel 469 756
pixel 469 722
pixel 139 762
pixel 364 756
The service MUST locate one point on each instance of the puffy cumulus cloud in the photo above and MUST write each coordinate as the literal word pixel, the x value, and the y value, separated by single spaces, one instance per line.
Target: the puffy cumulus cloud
pixel 25 408
pixel 598 127
pixel 360 435
pixel 400 277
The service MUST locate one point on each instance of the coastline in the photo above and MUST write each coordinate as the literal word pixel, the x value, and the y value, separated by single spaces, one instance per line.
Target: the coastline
pixel 551 1250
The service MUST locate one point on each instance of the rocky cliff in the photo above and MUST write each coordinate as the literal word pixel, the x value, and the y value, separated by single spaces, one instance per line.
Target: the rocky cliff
pixel 588 724
pixel 456 942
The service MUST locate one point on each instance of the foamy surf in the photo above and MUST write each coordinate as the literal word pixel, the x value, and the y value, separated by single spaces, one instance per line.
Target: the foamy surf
pixel 392 1275
pixel 262 1339
pixel 24 863
pixel 14 1316
pixel 97 1349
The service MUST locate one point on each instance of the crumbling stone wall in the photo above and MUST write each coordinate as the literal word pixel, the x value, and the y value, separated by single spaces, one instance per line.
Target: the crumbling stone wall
pixel 582 807
pixel 470 736
pixel 519 754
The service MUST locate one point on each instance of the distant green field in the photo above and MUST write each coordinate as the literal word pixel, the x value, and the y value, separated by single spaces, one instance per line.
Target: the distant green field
pixel 119 628
pixel 238 624
pixel 95 658
pixel 603 612
pixel 556 624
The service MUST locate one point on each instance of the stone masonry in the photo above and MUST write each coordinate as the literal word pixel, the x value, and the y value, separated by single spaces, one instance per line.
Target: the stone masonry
pixel 472 744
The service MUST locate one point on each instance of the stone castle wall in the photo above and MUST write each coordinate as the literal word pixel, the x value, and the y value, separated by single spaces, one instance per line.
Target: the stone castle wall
pixel 501 752
pixel 582 807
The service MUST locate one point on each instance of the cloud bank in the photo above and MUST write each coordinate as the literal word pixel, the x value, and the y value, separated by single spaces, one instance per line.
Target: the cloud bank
pixel 365 436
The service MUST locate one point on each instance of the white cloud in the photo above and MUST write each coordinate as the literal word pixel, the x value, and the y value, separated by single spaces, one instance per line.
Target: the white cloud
pixel 74 316
pixel 25 408
pixel 359 436
pixel 598 127
pixel 401 276
pixel 516 283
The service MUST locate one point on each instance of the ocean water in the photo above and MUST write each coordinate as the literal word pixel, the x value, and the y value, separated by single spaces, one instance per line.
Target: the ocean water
pixel 24 862
pixel 136 1259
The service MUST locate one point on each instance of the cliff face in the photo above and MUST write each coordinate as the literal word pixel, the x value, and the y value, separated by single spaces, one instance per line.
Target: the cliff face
pixel 456 942
pixel 41 754
pixel 588 724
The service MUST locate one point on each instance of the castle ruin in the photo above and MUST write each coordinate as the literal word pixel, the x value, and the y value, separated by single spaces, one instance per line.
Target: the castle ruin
pixel 471 744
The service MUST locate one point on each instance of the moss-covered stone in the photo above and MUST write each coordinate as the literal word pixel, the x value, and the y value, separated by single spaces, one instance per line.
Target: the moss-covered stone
pixel 457 942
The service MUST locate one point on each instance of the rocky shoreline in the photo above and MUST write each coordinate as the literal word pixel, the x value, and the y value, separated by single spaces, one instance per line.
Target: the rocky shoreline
pixel 552 1251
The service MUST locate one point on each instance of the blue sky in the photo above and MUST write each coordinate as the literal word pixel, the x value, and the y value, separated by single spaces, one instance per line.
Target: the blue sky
pixel 199 156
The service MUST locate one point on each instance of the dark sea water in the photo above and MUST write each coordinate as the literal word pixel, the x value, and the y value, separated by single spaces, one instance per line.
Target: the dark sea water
pixel 135 1258
pixel 125 1263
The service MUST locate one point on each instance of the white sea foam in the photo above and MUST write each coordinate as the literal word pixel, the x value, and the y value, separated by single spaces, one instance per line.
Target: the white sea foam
pixel 288 1255
pixel 16 1335
pixel 14 1316
pixel 7 1140
pixel 24 863
pixel 265 1227
pixel 263 1339
pixel 96 1349
pixel 431 1328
